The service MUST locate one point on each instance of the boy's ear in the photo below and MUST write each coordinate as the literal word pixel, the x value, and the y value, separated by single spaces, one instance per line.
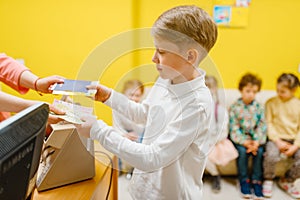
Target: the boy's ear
pixel 192 56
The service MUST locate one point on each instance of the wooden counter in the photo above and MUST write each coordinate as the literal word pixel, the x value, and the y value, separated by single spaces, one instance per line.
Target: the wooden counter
pixel 95 189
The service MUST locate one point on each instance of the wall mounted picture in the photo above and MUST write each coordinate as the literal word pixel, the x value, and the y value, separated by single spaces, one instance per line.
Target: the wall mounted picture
pixel 222 14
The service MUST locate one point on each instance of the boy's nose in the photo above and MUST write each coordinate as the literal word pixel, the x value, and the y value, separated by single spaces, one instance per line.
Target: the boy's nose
pixel 154 58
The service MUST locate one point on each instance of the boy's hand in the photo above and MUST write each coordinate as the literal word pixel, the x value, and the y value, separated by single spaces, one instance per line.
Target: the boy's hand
pixel 85 128
pixel 255 144
pixel 102 94
pixel 248 145
pixel 254 147
pixel 251 146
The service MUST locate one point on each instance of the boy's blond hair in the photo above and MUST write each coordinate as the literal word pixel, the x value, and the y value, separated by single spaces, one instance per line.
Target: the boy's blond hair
pixel 191 21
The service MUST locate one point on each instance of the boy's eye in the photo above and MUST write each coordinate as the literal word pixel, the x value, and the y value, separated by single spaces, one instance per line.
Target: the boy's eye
pixel 160 51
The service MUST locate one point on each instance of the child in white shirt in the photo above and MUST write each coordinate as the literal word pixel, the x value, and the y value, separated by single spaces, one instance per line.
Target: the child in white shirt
pixel 177 112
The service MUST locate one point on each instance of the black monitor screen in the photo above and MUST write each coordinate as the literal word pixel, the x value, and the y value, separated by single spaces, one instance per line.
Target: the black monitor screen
pixel 21 141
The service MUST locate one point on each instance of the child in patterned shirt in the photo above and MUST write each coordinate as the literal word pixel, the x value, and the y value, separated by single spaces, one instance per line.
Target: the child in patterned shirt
pixel 247 130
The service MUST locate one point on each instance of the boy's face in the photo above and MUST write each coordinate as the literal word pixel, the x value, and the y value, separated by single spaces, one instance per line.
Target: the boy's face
pixel 170 62
pixel 248 93
pixel 283 92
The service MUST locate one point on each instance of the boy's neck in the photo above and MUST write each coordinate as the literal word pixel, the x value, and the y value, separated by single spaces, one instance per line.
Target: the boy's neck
pixel 186 77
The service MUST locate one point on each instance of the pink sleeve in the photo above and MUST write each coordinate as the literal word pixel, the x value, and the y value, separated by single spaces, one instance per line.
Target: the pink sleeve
pixel 4 116
pixel 10 73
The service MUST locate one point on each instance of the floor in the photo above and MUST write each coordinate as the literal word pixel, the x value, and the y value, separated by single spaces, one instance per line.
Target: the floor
pixel 229 190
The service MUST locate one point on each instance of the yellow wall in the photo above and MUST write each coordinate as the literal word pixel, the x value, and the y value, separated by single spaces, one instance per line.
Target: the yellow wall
pixel 268 46
pixel 56 37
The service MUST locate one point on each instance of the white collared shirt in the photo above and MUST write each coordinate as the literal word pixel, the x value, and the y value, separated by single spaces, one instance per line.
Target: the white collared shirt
pixel 169 163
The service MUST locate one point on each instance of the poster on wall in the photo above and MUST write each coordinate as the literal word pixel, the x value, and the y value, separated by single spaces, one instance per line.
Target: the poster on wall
pixel 233 15
pixel 242 3
pixel 222 14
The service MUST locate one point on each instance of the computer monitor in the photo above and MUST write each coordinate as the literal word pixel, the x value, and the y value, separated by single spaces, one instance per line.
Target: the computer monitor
pixel 21 141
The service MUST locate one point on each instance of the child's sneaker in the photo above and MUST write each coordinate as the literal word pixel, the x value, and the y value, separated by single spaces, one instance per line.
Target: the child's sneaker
pixel 245 189
pixel 267 188
pixel 289 188
pixel 257 187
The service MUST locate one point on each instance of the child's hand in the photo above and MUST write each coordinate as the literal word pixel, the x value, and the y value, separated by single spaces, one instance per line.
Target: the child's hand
pixel 247 143
pixel 254 152
pixel 255 145
pixel 282 145
pixel 253 149
pixel 248 146
pixel 85 128
pixel 291 150
pixel 102 94
pixel 251 146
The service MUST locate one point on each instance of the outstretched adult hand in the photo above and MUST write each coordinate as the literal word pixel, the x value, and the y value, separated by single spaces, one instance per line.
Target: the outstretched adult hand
pixel 44 84
pixel 53 119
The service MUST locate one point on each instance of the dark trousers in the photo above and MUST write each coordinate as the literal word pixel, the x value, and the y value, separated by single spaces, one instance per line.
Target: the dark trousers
pixel 242 164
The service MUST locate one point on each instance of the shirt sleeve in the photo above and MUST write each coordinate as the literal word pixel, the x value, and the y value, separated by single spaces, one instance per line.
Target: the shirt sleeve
pixel 297 140
pixel 10 73
pixel 260 130
pixel 271 132
pixel 136 112
pixel 167 147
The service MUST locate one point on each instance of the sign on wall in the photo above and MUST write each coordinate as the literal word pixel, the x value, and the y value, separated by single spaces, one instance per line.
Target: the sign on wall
pixel 231 13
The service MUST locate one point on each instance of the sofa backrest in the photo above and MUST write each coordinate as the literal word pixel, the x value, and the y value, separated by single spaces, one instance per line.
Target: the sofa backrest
pixel 229 96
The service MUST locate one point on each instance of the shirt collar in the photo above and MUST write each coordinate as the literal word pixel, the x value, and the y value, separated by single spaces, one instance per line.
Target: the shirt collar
pixel 181 89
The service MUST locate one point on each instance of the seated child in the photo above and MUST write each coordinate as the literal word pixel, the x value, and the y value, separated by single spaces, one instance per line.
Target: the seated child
pixel 134 90
pixel 283 120
pixel 247 130
pixel 224 150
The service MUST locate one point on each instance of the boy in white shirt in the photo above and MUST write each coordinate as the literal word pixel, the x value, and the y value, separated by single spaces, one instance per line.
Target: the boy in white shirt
pixel 177 112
